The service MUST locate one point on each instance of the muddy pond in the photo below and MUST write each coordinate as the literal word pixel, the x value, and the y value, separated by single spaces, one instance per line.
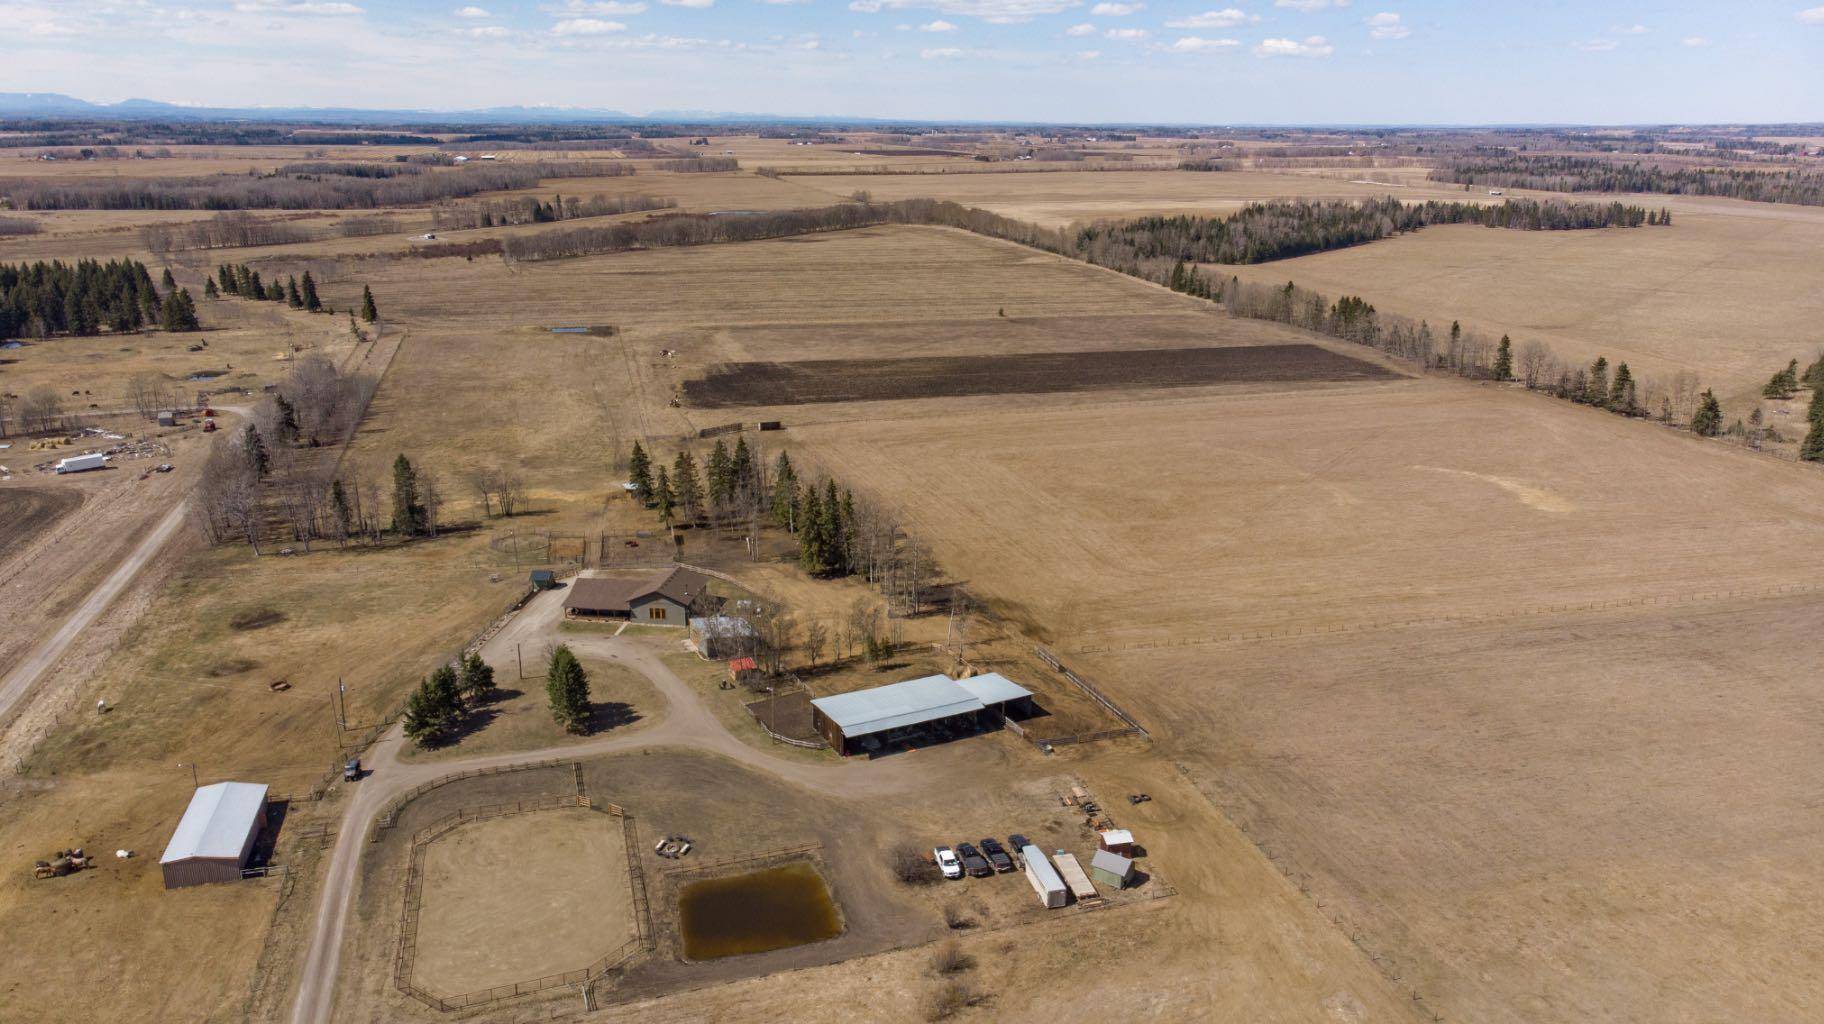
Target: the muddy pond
pixel 778 907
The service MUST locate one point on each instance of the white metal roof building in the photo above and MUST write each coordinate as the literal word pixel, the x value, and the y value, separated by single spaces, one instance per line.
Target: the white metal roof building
pixel 215 835
pixel 850 716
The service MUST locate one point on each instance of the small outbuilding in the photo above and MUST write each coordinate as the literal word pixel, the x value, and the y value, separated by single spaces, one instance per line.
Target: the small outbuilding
pixel 718 637
pixel 167 419
pixel 1111 869
pixel 543 579
pixel 1117 840
pixel 740 670
pixel 1044 879
pixel 216 834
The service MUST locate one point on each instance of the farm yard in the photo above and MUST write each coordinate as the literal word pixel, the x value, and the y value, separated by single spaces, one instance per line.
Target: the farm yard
pixel 1454 701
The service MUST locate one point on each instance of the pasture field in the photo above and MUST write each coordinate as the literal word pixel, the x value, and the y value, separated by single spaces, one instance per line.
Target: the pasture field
pixel 1727 292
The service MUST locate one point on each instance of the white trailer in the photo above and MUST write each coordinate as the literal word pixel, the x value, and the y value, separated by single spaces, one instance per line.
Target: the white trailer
pixel 81 463
pixel 1044 878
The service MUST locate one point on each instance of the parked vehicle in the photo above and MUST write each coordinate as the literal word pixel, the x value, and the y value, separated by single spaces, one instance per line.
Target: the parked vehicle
pixel 997 854
pixel 974 863
pixel 947 862
pixel 1017 842
pixel 351 772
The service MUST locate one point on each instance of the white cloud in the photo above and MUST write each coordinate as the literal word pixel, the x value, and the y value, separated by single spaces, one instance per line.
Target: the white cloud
pixel 688 3
pixel 302 7
pixel 1198 44
pixel 939 25
pixel 784 3
pixel 1695 41
pixel 941 53
pixel 586 27
pixel 1595 45
pixel 1635 29
pixel 1089 54
pixel 1228 17
pixel 1310 46
pixel 1310 5
pixel 487 32
pixel 999 12
pixel 1386 25
pixel 578 8
pixel 1107 10
pixel 1085 29
pixel 1127 35
pixel 1811 15
pixel 473 12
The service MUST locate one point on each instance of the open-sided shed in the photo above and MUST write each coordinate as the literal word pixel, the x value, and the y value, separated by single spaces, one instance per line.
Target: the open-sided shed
pixel 215 835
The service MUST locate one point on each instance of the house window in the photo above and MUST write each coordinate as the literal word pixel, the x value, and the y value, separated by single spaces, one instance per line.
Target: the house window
pixel 655 612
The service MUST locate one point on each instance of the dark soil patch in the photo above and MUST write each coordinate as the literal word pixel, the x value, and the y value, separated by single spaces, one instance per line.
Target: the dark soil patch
pixel 864 380
pixel 256 618
pixel 788 714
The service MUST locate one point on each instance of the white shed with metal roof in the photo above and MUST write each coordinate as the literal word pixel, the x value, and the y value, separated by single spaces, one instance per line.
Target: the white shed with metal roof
pixel 215 835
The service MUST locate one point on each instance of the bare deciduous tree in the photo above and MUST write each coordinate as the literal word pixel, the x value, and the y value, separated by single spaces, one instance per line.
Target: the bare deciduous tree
pixel 816 635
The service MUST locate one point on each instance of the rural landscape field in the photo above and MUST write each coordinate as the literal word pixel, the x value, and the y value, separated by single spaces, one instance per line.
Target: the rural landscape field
pixel 481 562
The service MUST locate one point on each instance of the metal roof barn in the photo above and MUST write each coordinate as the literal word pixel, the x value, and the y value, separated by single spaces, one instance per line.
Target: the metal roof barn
pixel 215 835
pixel 994 688
pixel 898 705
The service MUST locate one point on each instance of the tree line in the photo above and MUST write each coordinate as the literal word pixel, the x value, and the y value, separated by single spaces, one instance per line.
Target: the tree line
pixel 1282 229
pixel 281 191
pixel 529 210
pixel 242 281
pixel 1587 174
pixel 38 300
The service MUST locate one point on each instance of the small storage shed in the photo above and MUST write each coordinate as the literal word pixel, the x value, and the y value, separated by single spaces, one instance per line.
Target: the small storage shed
pixel 723 636
pixel 1044 879
pixel 1072 872
pixel 543 579
pixel 167 419
pixel 739 669
pixel 1117 840
pixel 215 835
pixel 1111 869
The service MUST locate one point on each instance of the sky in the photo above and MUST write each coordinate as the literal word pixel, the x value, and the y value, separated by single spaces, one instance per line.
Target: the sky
pixel 1082 61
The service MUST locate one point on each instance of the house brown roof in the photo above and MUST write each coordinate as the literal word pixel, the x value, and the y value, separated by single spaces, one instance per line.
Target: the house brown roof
pixel 618 595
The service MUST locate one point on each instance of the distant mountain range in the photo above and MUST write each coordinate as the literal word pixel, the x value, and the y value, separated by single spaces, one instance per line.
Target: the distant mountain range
pixel 48 105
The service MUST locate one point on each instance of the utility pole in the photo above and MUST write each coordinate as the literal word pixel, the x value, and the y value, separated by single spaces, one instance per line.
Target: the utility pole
pixel 519 657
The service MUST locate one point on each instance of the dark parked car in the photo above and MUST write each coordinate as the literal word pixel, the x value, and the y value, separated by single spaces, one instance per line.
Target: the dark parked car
pixel 973 862
pixel 997 854
pixel 1018 842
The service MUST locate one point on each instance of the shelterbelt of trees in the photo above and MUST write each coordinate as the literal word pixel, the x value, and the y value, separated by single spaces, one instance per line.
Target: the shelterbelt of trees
pixel 42 299
pixel 1147 247
pixel 315 186
pixel 1586 174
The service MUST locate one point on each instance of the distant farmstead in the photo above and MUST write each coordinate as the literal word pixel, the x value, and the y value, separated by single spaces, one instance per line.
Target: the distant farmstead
pixel 667 599
pixel 216 834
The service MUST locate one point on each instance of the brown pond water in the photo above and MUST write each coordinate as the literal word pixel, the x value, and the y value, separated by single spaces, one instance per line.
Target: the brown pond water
pixel 772 909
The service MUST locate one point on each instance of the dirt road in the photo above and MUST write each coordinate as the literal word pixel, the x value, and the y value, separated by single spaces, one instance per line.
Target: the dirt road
pixel 20 680
pixel 686 723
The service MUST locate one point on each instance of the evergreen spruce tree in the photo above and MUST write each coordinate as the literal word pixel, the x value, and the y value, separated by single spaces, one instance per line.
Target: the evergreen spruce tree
pixel 1812 448
pixel 307 290
pixel 446 691
pixel 368 311
pixel 811 554
pixel 1596 390
pixel 1621 392
pixel 210 291
pixel 408 509
pixel 422 724
pixel 288 420
pixel 1708 420
pixel 1813 376
pixel 1784 384
pixel 785 493
pixel 717 470
pixel 688 487
pixel 664 497
pixel 1504 359
pixel 741 469
pixel 225 275
pixel 477 678
pixel 567 690
pixel 292 298
pixel 179 313
pixel 256 288
pixel 253 447
pixel 639 474
pixel 167 280
pixel 836 553
pixel 1815 412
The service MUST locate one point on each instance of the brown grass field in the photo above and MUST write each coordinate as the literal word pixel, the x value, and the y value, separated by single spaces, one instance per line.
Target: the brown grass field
pixel 1464 701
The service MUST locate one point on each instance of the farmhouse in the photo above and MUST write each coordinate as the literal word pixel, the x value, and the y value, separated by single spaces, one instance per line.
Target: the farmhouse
pixel 887 713
pixel 215 835
pixel 668 599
